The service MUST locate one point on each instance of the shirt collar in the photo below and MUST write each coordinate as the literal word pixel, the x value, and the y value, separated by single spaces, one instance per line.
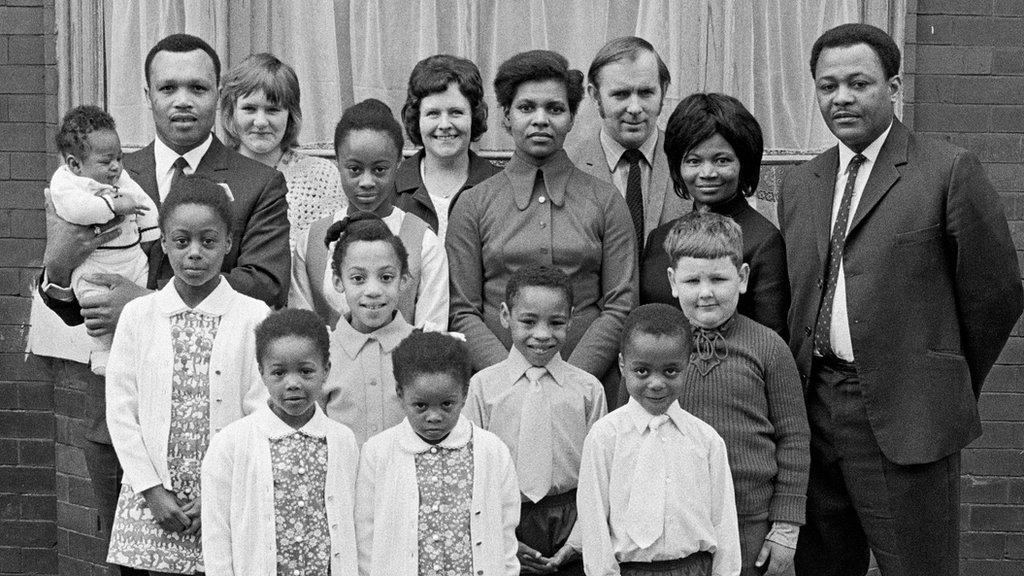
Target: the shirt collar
pixel 217 303
pixel 274 428
pixel 641 418
pixel 389 335
pixel 517 365
pixel 408 178
pixel 613 151
pixel 460 435
pixel 522 171
pixel 871 152
pixel 165 157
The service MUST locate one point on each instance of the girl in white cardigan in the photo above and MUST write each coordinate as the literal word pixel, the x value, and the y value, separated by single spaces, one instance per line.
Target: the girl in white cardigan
pixel 182 367
pixel 436 494
pixel 278 484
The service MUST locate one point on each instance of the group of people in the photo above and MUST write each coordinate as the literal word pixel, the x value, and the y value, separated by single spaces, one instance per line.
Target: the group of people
pixel 574 364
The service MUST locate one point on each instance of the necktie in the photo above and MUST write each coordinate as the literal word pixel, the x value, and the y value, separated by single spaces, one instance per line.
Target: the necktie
pixel 535 452
pixel 645 514
pixel 634 195
pixel 823 327
pixel 179 171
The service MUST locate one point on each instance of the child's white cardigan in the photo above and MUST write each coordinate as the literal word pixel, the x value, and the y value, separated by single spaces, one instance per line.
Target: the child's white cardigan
pixel 387 502
pixel 239 535
pixel 142 363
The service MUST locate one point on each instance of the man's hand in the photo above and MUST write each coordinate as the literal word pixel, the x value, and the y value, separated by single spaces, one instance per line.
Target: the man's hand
pixel 532 562
pixel 68 245
pixel 101 309
pixel 166 511
pixel 124 205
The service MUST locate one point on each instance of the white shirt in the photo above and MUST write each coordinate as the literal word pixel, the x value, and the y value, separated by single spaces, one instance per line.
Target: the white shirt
pixel 495 400
pixel 839 333
pixel 142 364
pixel 239 536
pixel 387 502
pixel 165 158
pixel 700 509
pixel 619 167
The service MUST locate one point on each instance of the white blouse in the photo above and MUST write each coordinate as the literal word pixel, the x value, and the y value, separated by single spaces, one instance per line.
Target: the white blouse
pixel 238 495
pixel 142 363
pixel 387 502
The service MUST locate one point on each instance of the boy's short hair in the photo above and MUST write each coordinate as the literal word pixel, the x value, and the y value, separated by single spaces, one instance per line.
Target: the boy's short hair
pixel 292 322
pixel 540 276
pixel 705 235
pixel 655 320
pixel 428 353
pixel 78 123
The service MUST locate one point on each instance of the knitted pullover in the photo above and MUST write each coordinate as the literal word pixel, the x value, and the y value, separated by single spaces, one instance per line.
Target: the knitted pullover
pixel 743 381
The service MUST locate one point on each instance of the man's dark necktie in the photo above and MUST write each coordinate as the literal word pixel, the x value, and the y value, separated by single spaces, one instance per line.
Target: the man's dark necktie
pixel 634 195
pixel 823 327
pixel 179 171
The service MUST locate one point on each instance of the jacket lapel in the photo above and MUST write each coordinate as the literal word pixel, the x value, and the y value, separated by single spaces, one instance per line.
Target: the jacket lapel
pixel 143 171
pixel 824 184
pixel 657 188
pixel 592 159
pixel 884 174
pixel 214 160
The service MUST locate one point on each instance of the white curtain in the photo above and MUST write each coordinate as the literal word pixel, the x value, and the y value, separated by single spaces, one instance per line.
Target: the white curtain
pixel 348 50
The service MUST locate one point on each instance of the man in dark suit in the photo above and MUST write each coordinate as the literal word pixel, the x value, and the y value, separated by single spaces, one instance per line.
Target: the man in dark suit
pixel 905 288
pixel 182 76
pixel 628 79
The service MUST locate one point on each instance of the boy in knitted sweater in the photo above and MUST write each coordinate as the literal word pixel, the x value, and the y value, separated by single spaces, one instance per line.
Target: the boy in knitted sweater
pixel 743 381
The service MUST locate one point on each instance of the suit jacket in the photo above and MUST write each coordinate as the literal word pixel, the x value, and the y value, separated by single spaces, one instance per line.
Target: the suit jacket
pixel 259 262
pixel 661 204
pixel 932 281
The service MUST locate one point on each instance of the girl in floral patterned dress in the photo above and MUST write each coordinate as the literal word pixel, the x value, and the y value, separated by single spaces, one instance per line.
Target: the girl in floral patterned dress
pixel 287 461
pixel 182 366
pixel 436 495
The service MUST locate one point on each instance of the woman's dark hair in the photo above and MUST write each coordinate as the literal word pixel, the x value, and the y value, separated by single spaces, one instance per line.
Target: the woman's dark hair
pixel 292 322
pixel 433 75
pixel 536 66
pixel 700 116
pixel 428 354
pixel 200 190
pixel 856 33
pixel 78 123
pixel 362 227
pixel 262 72
pixel 370 114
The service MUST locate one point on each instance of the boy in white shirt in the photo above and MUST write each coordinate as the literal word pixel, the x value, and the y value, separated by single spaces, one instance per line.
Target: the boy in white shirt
pixel 91 188
pixel 655 491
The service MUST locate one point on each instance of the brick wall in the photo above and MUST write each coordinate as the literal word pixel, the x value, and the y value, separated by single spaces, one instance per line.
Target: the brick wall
pixel 28 528
pixel 969 88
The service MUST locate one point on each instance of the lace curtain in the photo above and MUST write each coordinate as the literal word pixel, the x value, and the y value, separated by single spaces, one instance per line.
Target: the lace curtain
pixel 348 50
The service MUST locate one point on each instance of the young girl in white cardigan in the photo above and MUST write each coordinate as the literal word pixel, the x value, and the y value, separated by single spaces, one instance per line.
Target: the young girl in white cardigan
pixel 278 484
pixel 182 366
pixel 435 494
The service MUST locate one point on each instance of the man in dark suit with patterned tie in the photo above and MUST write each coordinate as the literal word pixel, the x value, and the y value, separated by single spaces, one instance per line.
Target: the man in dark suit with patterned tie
pixel 182 75
pixel 905 288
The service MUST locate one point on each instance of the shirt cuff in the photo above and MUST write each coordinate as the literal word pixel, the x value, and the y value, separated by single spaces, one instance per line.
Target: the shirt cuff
pixel 62 293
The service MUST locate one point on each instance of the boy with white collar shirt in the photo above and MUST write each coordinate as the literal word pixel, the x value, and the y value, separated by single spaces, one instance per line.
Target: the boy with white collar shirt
pixel 542 408
pixel 655 491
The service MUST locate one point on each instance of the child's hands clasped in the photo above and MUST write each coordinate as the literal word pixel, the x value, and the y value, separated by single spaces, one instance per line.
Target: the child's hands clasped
pixel 166 509
pixel 778 550
pixel 533 562
pixel 123 205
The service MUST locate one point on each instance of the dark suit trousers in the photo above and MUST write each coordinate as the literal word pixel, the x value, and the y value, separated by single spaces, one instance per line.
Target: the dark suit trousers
pixel 858 500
